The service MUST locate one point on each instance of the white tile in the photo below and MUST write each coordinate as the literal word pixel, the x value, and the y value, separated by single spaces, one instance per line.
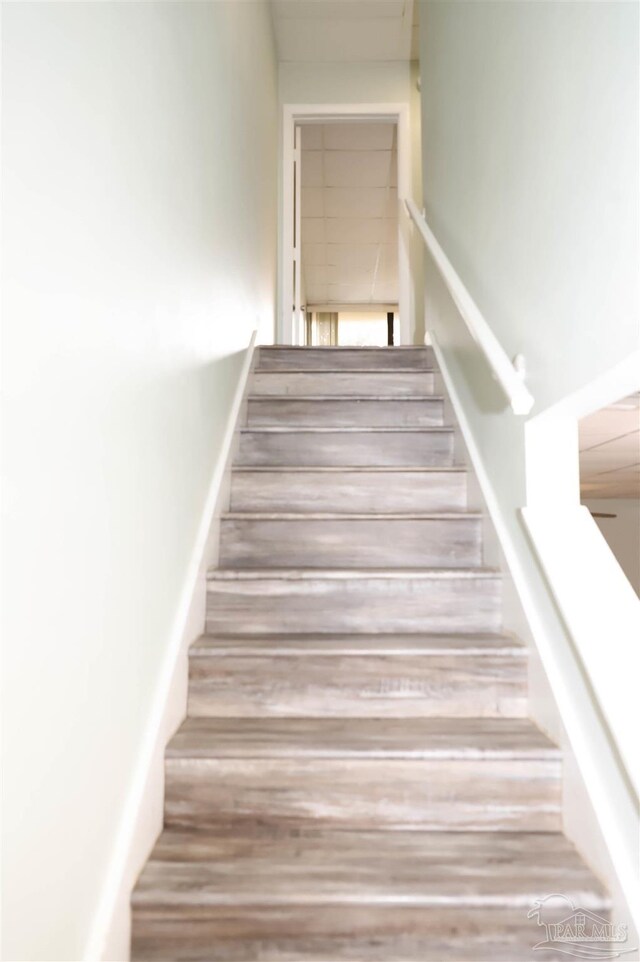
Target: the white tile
pixel 359 257
pixel 316 295
pixel 389 255
pixel 349 275
pixel 623 483
pixel 311 136
pixel 354 230
pixel 352 136
pixel 314 254
pixel 607 424
pixel 349 293
pixel 358 168
pixel 385 294
pixel 315 275
pixel 618 453
pixel 388 281
pixel 358 202
pixel 312 202
pixel 313 231
pixel 630 472
pixel 394 169
pixel 312 168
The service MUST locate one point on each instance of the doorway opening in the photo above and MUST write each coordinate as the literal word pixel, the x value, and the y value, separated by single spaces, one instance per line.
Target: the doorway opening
pixel 352 328
pixel 345 259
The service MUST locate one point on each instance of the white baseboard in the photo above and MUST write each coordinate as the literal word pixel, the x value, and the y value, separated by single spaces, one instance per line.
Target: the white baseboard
pixel 141 823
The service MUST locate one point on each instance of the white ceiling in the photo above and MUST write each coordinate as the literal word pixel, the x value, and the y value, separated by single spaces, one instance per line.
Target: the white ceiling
pixel 323 31
pixel 610 451
pixel 349 214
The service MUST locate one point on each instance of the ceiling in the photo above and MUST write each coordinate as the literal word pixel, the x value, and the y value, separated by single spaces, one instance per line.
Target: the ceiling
pixel 610 451
pixel 324 31
pixel 349 214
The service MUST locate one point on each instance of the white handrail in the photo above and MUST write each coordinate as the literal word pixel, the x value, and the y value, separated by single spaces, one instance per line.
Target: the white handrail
pixel 509 375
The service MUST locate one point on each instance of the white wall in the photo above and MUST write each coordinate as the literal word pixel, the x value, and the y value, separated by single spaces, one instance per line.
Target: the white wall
pixel 621 533
pixel 530 114
pixel 139 252
pixel 530 159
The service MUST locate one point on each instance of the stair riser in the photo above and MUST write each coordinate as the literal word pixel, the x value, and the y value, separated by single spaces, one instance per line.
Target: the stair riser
pixel 328 383
pixel 343 413
pixel 375 932
pixel 330 359
pixel 316 686
pixel 433 794
pixel 371 543
pixel 348 491
pixel 358 605
pixel 350 448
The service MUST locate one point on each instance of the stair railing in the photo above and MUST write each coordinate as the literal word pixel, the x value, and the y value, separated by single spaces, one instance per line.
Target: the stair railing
pixel 509 374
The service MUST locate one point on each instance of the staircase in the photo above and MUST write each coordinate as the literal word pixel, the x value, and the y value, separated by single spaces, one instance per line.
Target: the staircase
pixel 357 778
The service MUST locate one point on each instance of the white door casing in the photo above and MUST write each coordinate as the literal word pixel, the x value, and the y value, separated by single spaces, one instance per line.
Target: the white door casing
pixel 294 115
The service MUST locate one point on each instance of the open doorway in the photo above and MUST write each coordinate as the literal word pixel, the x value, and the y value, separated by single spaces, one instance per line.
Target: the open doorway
pixel 349 231
pixel 344 252
pixel 373 328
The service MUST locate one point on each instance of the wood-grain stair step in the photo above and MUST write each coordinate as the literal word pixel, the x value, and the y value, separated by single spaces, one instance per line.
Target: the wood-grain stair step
pixel 349 489
pixel 356 780
pixel 344 358
pixel 434 773
pixel 345 411
pixel 359 600
pixel 347 896
pixel 278 540
pixel 358 383
pixel 358 676
pixel 412 447
pixel 324 866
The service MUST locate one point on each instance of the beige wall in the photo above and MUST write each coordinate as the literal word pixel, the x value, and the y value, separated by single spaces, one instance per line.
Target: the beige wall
pixel 140 155
pixel 335 83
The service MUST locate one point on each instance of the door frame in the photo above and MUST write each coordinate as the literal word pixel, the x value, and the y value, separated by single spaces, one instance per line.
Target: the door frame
pixel 344 113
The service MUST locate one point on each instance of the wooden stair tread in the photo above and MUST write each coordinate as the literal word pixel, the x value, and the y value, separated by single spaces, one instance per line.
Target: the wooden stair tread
pixel 356 429
pixel 346 867
pixel 285 358
pixel 338 348
pixel 344 382
pixel 344 370
pixel 288 358
pixel 441 738
pixel 346 469
pixel 345 516
pixel 345 397
pixel 351 574
pixel 317 644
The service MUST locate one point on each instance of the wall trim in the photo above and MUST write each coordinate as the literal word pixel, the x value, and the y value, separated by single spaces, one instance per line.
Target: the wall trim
pixel 142 817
